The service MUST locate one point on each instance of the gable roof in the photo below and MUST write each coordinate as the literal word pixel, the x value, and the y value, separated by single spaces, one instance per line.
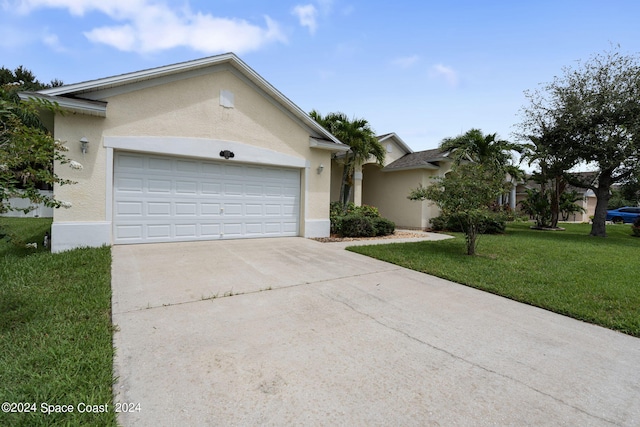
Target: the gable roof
pixel 397 139
pixel 426 159
pixel 85 97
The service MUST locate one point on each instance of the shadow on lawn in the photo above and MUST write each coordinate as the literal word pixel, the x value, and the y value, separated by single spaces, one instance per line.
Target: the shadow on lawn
pixel 15 232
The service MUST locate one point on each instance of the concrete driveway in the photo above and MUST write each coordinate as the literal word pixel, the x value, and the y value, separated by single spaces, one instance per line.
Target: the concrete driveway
pixel 291 331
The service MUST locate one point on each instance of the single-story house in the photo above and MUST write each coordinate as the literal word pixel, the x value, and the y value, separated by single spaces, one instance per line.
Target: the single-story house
pixel 200 150
pixel 36 210
pixel 587 200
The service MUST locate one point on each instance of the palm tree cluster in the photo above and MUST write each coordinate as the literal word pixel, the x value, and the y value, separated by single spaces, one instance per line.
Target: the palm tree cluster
pixel 363 143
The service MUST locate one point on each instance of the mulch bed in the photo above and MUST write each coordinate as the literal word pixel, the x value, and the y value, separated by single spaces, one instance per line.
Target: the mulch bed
pixel 395 235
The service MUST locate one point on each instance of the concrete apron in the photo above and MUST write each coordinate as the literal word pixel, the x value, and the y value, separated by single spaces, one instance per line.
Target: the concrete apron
pixel 317 335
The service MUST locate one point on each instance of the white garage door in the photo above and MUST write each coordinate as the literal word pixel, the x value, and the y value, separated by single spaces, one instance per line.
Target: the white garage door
pixel 166 199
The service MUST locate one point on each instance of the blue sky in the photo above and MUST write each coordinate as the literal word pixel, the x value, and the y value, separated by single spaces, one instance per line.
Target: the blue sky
pixel 425 70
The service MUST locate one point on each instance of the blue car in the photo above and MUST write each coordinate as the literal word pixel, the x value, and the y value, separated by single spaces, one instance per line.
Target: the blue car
pixel 628 214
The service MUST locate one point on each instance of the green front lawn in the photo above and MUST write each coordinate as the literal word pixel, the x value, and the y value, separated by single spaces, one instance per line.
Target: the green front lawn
pixel 592 279
pixel 55 331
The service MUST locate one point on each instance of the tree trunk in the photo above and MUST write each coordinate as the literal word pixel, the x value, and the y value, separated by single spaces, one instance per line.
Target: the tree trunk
pixel 598 227
pixel 471 236
pixel 344 186
pixel 559 188
pixel 555 203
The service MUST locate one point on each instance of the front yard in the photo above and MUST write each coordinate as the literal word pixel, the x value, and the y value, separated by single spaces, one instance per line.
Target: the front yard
pixel 56 351
pixel 56 334
pixel 568 272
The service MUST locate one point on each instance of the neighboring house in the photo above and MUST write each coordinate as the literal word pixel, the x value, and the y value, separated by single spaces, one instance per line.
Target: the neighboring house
pixel 587 201
pixel 37 210
pixel 387 187
pixel 199 150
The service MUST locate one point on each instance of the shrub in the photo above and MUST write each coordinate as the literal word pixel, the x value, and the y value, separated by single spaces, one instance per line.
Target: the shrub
pixel 635 227
pixel 356 225
pixel 358 221
pixel 368 211
pixel 383 226
pixel 493 224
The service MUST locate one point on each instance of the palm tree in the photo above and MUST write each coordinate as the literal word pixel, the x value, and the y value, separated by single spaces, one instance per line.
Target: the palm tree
pixel 358 135
pixel 487 150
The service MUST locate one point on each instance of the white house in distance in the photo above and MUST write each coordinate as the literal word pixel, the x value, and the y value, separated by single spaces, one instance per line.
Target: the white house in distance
pixel 199 150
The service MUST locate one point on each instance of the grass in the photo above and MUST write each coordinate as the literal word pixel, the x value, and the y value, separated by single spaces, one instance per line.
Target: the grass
pixel 55 329
pixel 568 272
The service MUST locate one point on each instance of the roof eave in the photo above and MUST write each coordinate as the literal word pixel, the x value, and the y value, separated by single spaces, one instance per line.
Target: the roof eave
pixel 414 167
pixel 331 146
pixel 91 108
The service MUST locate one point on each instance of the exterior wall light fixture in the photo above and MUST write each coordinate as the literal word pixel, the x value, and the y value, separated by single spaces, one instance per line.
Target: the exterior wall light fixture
pixel 84 144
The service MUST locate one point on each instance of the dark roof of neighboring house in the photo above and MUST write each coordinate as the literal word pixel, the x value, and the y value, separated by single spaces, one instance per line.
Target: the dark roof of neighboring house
pixel 426 159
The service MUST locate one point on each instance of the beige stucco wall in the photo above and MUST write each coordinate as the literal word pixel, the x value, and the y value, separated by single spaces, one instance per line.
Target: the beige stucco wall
pixel 88 195
pixel 186 108
pixel 388 192
pixel 393 151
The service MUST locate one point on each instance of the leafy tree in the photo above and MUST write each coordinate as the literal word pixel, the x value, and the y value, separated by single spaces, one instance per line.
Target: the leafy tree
pixel 594 114
pixel 361 139
pixel 27 148
pixel 27 152
pixel 465 194
pixel 24 79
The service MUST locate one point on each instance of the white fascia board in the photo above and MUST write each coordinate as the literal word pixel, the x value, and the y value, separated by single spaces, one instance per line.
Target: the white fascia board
pixel 92 108
pixel 398 140
pixel 331 146
pixel 107 82
pixel 427 167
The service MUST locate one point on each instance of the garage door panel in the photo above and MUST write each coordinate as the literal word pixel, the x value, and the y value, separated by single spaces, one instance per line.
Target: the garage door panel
pixel 186 187
pixel 211 188
pixel 160 164
pixel 186 209
pixel 128 232
pixel 130 161
pixel 233 189
pixel 253 228
pixel 158 186
pixel 129 208
pixel 158 209
pixel 210 230
pixel 135 185
pixel 254 210
pixel 159 231
pixel 187 166
pixel 163 198
pixel 209 209
pixel 186 230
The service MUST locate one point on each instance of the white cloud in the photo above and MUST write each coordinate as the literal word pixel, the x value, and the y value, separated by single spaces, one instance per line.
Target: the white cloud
pixel 447 73
pixel 405 61
pixel 307 15
pixel 52 41
pixel 147 26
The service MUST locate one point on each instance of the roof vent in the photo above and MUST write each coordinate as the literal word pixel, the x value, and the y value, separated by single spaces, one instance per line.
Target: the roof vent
pixel 227 98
